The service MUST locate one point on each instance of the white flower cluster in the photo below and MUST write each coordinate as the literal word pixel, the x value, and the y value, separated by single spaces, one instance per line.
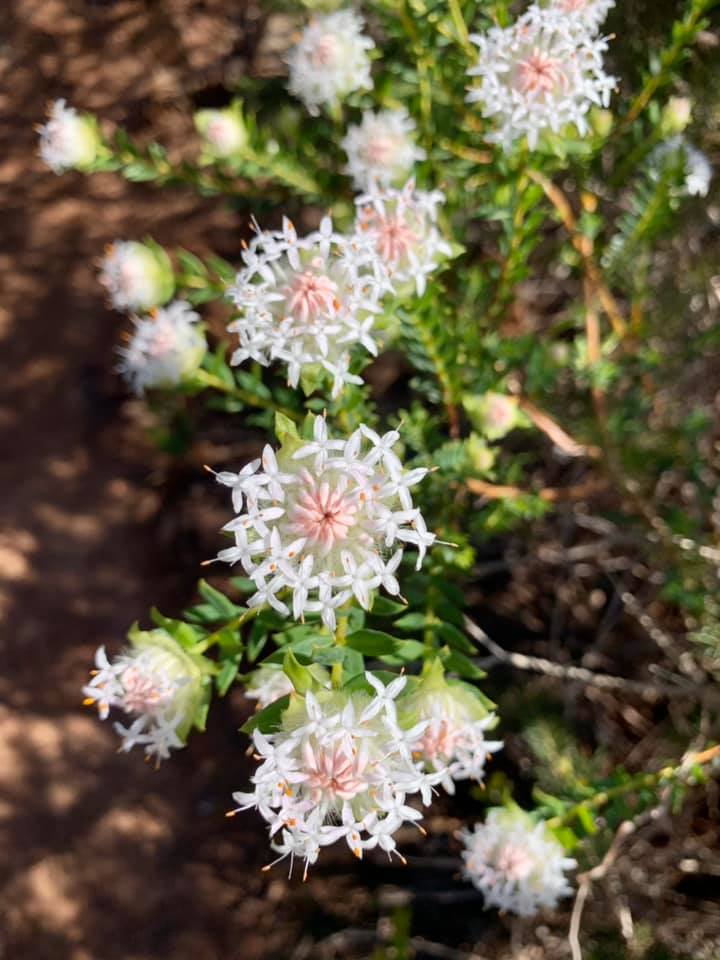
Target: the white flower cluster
pixel 324 520
pixel 696 166
pixel 340 767
pixel 306 301
pixel 267 684
pixel 68 139
pixel 402 228
pixel 540 74
pixel 381 149
pixel 164 349
pixel 330 60
pixel 156 683
pixel 136 276
pixel 516 863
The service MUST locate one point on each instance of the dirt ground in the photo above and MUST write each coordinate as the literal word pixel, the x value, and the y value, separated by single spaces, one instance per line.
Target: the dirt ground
pixel 101 857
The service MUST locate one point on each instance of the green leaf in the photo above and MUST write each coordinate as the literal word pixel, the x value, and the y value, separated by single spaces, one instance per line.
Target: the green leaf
pixel 224 606
pixel 185 634
pixel 455 638
pixel 299 676
pixel 460 664
pixel 226 676
pixel 269 719
pixel 411 622
pixel 371 643
pixel 382 607
pixel 285 428
pixel 406 651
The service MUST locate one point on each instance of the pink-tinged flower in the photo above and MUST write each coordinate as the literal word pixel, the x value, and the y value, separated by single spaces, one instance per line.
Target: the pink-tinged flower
pixel 136 276
pixel 338 767
pixel 69 140
pixel 590 12
pixel 541 74
pixel 157 684
pixel 456 721
pixel 516 862
pixel 402 227
pixel 326 519
pixel 381 149
pixel 165 348
pixel 223 131
pixel 330 60
pixel 307 302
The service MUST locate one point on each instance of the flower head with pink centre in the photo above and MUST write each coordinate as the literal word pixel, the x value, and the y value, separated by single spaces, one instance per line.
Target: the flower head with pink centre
pixel 515 862
pixel 137 276
pixel 157 684
pixel 326 519
pixel 539 75
pixel 457 720
pixel 330 60
pixel 166 348
pixel 223 131
pixel 402 227
pixel 338 768
pixel 381 149
pixel 69 140
pixel 307 302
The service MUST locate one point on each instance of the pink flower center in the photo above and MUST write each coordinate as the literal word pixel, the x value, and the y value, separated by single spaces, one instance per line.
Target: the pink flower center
pixel 500 412
pixel 379 150
pixel 570 6
pixel 514 862
pixel 322 515
pixel 325 51
pixel 540 73
pixel 220 133
pixel 331 774
pixel 394 239
pixel 143 694
pixel 439 740
pixel 163 341
pixel 311 293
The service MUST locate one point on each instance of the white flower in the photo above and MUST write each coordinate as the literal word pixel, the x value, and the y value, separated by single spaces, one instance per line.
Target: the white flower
pixel 381 149
pixel 306 302
pixel 223 130
pixel 68 140
pixel 335 526
pixel 330 60
pixel 402 227
pixel 165 348
pixel 267 684
pixel 136 276
pixel 695 165
pixel 456 723
pixel 542 73
pixel 339 767
pixel 590 12
pixel 157 684
pixel 516 863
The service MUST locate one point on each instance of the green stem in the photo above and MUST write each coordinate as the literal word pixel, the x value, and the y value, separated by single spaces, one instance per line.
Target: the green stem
pixel 244 396
pixel 235 624
pixel 336 673
pixel 461 28
pixel 643 781
pixel 424 68
pixel 684 33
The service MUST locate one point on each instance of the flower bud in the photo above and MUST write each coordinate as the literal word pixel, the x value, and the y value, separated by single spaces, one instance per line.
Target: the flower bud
pixel 493 414
pixel 456 718
pixel 676 115
pixel 223 131
pixel 158 684
pixel 137 276
pixel 69 140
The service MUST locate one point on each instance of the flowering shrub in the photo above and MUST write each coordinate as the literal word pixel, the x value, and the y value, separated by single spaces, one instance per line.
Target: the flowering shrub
pixel 447 166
